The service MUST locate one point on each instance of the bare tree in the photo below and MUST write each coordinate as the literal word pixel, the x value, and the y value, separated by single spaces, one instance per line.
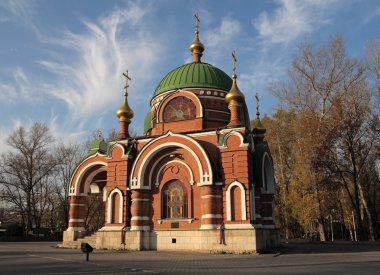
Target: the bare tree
pixel 68 156
pixel 24 172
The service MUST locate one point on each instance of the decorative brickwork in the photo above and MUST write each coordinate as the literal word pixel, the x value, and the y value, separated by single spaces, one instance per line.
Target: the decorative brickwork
pixel 198 173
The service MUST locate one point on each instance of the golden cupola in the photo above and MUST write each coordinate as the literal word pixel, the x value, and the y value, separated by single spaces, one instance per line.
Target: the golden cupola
pixel 125 113
pixel 234 96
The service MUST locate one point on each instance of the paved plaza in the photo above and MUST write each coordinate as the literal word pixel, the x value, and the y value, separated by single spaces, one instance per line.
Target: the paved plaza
pixel 294 258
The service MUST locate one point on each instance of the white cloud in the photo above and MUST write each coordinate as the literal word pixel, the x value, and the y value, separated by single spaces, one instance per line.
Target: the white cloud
pixel 220 40
pixel 292 19
pixel 91 83
pixel 23 11
pixel 21 89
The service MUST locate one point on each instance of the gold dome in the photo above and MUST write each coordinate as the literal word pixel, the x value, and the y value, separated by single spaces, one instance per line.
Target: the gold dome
pixel 197 47
pixel 125 113
pixel 234 95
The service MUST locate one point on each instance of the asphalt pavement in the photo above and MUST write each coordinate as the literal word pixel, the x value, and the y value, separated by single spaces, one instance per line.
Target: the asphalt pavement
pixel 290 258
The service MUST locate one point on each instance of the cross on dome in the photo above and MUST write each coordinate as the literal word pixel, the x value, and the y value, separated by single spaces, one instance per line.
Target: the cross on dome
pixel 233 63
pixel 127 77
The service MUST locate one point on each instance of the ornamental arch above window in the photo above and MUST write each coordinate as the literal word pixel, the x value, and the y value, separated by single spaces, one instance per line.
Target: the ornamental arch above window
pixel 174 200
pixel 179 108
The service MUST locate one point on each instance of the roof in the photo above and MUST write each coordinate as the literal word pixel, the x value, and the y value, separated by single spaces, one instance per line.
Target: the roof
pixel 147 122
pixel 194 75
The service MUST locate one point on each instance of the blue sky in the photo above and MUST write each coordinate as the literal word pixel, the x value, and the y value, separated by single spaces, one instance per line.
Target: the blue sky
pixel 61 62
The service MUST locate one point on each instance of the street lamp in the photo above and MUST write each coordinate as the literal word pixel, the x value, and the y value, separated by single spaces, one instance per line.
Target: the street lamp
pixel 331 225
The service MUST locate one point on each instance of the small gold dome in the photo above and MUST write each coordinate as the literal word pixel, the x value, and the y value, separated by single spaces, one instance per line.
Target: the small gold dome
pixel 125 113
pixel 234 95
pixel 196 47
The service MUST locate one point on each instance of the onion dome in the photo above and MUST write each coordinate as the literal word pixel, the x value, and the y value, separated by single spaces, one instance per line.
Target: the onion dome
pixel 125 113
pixel 194 75
pixel 234 96
pixel 197 48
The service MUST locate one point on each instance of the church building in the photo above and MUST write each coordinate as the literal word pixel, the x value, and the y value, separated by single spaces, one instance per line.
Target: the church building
pixel 200 178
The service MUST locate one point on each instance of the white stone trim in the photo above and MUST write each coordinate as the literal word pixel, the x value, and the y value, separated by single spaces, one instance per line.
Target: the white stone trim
pixel 137 228
pixel 76 220
pixel 239 226
pixel 111 228
pixel 243 202
pixel 164 165
pixel 143 140
pixel 189 220
pixel 147 158
pixel 109 205
pixel 228 135
pixel 203 134
pixel 211 97
pixel 73 228
pixel 211 216
pixel 228 130
pixel 140 218
pixel 113 146
pixel 211 196
pixel 138 199
pixel 80 175
pixel 104 194
pixel 78 204
pixel 209 226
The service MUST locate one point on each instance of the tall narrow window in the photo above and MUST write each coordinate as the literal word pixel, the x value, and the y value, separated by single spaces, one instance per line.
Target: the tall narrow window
pixel 174 198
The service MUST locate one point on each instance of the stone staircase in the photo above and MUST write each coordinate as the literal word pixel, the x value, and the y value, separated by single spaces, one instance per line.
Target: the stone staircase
pixel 91 240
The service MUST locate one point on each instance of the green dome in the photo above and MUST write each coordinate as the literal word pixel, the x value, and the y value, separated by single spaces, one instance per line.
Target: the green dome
pixel 194 75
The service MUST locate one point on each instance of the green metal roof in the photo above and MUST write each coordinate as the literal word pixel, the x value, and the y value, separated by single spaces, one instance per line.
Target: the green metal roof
pixel 194 75
pixel 147 122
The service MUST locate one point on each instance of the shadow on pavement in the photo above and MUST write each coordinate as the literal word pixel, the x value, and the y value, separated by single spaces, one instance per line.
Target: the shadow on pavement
pixel 303 247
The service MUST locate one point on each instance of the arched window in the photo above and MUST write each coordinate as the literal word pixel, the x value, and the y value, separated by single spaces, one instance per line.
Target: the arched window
pixel 174 198
pixel 115 206
pixel 180 108
pixel 235 202
pixel 268 175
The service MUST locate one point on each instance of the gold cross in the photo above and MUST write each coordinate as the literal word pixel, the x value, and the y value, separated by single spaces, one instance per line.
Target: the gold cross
pixel 127 77
pixel 196 22
pixel 233 63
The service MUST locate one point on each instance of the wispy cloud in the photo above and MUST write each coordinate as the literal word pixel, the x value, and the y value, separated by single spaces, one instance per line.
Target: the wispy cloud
pixel 20 11
pixel 220 40
pixel 292 19
pixel 91 83
pixel 19 89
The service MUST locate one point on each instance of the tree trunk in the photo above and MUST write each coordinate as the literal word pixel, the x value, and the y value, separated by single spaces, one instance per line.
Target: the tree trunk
pixel 367 212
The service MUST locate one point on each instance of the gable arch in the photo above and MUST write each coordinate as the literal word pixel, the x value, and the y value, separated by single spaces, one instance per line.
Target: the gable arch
pixel 161 107
pixel 229 200
pixel 230 137
pixel 191 180
pixel 84 173
pixel 170 140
